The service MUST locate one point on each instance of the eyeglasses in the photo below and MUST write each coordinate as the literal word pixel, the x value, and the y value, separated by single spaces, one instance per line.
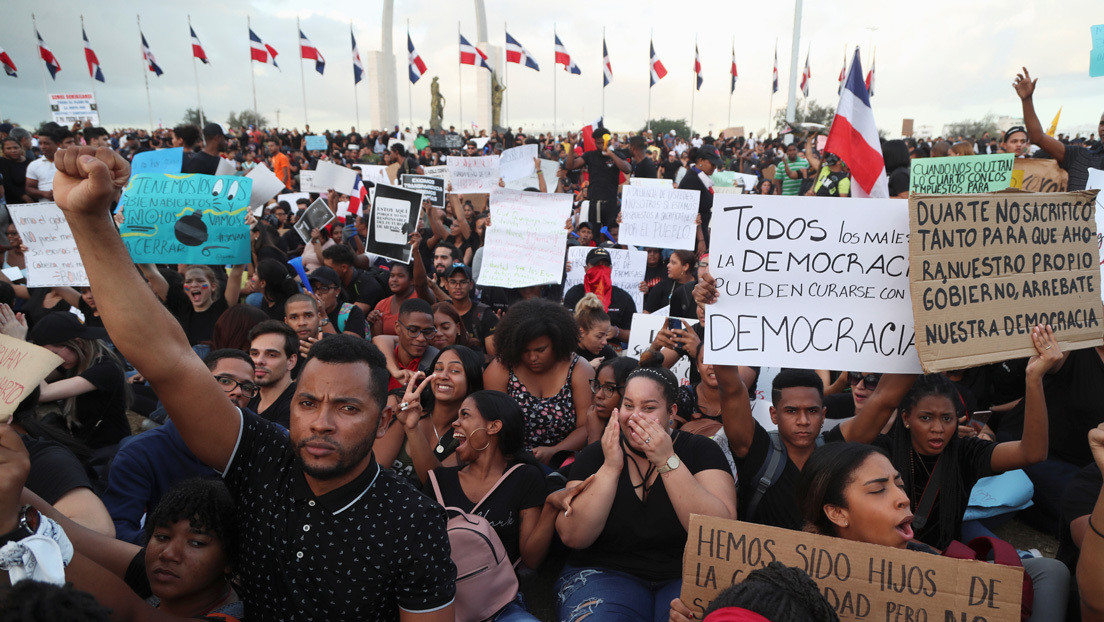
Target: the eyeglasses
pixel 248 389
pixel 870 380
pixel 326 288
pixel 608 389
pixel 413 331
pixel 457 282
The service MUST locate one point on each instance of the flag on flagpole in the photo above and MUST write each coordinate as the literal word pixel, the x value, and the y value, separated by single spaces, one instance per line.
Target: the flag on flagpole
pixel 471 55
pixel 6 61
pixel 417 65
pixel 607 68
pixel 658 70
pixel 806 74
pixel 148 55
pixel 697 66
pixel 774 72
pixel 516 53
pixel 359 196
pixel 94 70
pixel 870 75
pixel 563 58
pixel 843 74
pixel 732 89
pixel 52 64
pixel 854 137
pixel 197 48
pixel 309 52
pixel 261 51
pixel 1054 124
pixel 358 67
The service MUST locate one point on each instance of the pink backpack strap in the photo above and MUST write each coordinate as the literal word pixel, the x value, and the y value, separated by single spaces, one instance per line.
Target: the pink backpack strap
pixel 436 489
pixel 495 487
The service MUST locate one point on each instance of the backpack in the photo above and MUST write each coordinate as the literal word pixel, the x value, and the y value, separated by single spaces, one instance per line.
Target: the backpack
pixel 771 470
pixel 485 578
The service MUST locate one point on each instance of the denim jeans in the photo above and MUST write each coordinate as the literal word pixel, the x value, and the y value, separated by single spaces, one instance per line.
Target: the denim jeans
pixel 598 595
pixel 514 612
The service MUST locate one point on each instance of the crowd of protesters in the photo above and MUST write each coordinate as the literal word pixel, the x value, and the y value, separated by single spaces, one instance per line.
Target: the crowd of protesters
pixel 251 442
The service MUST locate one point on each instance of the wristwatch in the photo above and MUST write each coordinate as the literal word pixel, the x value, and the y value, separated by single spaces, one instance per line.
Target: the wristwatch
pixel 672 463
pixel 29 520
pixel 324 321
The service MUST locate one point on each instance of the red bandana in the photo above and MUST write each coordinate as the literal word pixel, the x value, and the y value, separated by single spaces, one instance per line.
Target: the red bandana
pixel 734 614
pixel 599 282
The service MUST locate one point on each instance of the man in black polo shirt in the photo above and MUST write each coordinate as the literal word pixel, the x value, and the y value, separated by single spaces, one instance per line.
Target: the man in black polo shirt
pixel 604 168
pixel 479 319
pixel 325 533
pixel 1075 159
pixel 361 288
pixel 642 165
pixel 621 305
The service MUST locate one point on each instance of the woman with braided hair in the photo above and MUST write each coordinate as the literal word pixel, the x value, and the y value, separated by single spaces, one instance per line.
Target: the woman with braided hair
pixel 630 498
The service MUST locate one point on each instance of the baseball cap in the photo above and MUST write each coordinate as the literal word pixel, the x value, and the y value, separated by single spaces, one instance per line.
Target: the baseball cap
pixel 598 255
pixel 709 152
pixel 459 266
pixel 59 327
pixel 325 276
pixel 212 130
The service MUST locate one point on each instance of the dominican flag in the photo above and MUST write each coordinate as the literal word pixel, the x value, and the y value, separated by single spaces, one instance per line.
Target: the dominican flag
pixel 607 68
pixel 732 89
pixel 563 58
pixel 6 61
pixel 358 197
pixel 854 137
pixel 516 53
pixel 261 51
pixel 588 135
pixel 697 66
pixel 774 72
pixel 309 52
pixel 148 55
pixel 358 67
pixel 94 70
pixel 806 74
pixel 843 74
pixel 658 70
pixel 197 48
pixel 417 65
pixel 471 55
pixel 870 77
pixel 52 64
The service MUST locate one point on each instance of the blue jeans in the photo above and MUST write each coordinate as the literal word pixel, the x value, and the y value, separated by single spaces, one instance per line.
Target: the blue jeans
pixel 598 595
pixel 514 612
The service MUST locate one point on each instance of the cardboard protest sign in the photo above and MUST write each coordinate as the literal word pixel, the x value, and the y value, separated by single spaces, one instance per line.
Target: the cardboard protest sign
pixel 315 143
pixel 861 581
pixel 986 268
pixel 70 108
pixel 316 216
pixel 433 188
pixel 660 182
pixel 265 185
pixel 658 217
pixel 479 174
pixel 329 175
pixel 187 219
pixel 526 240
pixel 961 175
pixel 158 161
pixel 643 333
pixel 517 162
pixel 226 167
pixel 811 282
pixel 395 214
pixel 23 366
pixel 627 271
pixel 306 182
pixel 52 258
pixel 548 169
pixel 1038 175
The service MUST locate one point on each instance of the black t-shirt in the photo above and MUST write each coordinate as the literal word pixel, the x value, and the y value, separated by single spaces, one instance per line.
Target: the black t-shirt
pixel 279 411
pixel 691 181
pixel 54 469
pixel 90 317
pixel 198 326
pixel 646 167
pixel 670 168
pixel 839 405
pixel 102 412
pixel 604 176
pixel 778 507
pixel 1078 162
pixel 607 352
pixel 621 309
pixel 643 538
pixel 659 295
pixel 365 288
pixel 480 322
pixel 1078 499
pixel 200 162
pixel 524 489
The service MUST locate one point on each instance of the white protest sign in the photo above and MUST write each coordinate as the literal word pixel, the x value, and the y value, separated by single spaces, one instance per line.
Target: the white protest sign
pixel 292 199
pixel 727 190
pixel 390 216
pixel 811 282
pixel 658 217
pixel 548 169
pixel 627 272
pixel 1096 182
pixel 265 185
pixel 374 173
pixel 52 258
pixel 70 108
pixel 438 171
pixel 306 182
pixel 652 182
pixel 517 162
pixel 13 273
pixel 644 329
pixel 481 141
pixel 526 241
pixel 474 175
pixel 329 175
pixel 226 167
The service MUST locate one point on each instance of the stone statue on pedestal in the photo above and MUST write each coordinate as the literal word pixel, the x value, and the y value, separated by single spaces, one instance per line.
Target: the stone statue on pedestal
pixel 436 105
pixel 496 100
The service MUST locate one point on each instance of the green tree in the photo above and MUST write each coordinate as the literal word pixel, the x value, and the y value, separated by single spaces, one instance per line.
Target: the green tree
pixel 192 117
pixel 972 128
pixel 665 125
pixel 813 113
pixel 246 118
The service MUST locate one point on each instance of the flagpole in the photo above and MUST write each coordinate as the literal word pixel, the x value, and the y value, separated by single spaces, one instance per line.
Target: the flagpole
pixel 145 73
pixel 694 86
pixel 731 84
pixel 460 78
pixel 650 44
pixel 554 102
pixel 302 73
pixel 770 106
pixel 253 74
pixel 409 85
pixel 42 68
pixel 505 70
pixel 91 77
pixel 356 98
pixel 603 72
pixel 199 102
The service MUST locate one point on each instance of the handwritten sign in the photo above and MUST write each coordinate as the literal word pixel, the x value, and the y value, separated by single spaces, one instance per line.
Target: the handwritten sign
pixel 961 175
pixel 395 214
pixel 1038 175
pixel 52 258
pixel 315 143
pixel 1096 182
pixel 22 367
pixel 328 175
pixel 306 182
pixel 627 271
pixel 475 175
pixel 158 161
pixel 445 141
pixel 432 188
pixel 861 581
pixel 644 329
pixel 811 282
pixel 548 170
pixel 986 268
pixel 187 219
pixel 265 185
pixel 517 162
pixel 658 217
pixel 526 241
pixel 652 182
pixel 1096 54
pixel 316 216
pixel 70 108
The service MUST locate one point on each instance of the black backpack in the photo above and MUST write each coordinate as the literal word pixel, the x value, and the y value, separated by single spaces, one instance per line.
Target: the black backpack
pixel 771 470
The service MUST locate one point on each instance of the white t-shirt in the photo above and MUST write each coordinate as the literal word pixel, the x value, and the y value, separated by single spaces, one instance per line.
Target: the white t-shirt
pixel 42 171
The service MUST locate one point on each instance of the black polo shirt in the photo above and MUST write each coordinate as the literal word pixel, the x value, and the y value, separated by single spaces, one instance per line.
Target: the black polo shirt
pixel 1077 163
pixel 361 552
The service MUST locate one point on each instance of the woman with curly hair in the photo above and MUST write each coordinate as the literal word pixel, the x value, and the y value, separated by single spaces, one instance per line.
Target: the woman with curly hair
pixel 537 366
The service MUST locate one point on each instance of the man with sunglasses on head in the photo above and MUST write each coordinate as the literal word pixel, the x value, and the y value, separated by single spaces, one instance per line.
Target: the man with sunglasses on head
pixel 415 329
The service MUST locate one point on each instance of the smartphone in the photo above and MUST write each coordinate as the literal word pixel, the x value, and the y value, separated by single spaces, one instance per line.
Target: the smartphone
pixel 979 418
pixel 674 323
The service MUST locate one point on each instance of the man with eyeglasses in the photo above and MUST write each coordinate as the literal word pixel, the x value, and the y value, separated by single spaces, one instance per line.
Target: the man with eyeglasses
pixel 415 329
pixel 479 320
pixel 149 464
pixel 274 348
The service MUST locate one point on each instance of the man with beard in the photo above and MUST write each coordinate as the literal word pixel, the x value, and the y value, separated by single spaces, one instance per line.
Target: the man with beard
pixel 326 533
pixel 274 348
pixel 479 320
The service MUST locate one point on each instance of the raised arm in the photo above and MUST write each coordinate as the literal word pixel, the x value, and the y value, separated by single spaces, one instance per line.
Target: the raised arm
pixel 622 165
pixel 458 214
pixel 1034 443
pixel 865 426
pixel 1025 88
pixel 234 285
pixel 739 425
pixel 155 279
pixel 1090 572
pixel 142 329
pixel 570 161
pixel 421 280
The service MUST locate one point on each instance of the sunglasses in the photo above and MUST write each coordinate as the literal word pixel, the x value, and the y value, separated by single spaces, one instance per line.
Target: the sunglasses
pixel 870 380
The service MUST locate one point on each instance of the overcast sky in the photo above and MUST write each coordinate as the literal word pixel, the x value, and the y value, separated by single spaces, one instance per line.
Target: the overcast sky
pixel 938 61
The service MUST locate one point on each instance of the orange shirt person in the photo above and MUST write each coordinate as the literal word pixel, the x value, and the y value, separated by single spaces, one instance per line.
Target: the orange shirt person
pixel 281 166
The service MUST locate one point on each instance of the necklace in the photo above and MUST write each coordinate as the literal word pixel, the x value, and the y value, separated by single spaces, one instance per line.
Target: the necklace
pixel 913 458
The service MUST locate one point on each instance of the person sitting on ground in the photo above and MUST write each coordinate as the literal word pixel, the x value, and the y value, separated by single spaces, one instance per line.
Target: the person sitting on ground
pixel 594 329
pixel 616 302
pixel 200 303
pixel 608 388
pixel 776 592
pixel 274 348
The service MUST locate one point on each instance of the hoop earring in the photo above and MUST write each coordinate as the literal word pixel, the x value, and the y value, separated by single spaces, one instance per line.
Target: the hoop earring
pixel 484 448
